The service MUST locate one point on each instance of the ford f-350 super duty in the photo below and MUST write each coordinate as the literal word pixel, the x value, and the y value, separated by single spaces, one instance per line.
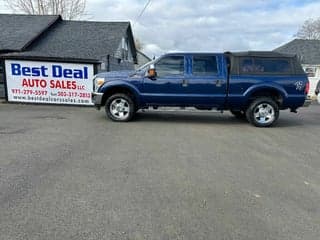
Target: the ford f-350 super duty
pixel 252 85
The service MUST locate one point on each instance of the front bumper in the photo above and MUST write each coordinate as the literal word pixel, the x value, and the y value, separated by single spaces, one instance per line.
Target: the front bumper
pixel 307 102
pixel 97 99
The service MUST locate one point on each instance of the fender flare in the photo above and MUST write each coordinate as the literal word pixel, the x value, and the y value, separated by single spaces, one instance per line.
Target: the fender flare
pixel 121 84
pixel 269 86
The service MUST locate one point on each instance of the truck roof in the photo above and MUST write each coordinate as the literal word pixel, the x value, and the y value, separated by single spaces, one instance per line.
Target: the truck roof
pixel 190 53
pixel 236 54
pixel 260 54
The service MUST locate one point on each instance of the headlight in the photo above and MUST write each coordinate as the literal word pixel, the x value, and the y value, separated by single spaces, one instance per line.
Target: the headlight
pixel 98 81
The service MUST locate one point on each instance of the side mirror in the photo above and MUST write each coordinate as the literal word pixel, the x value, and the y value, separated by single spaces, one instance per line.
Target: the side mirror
pixel 152 74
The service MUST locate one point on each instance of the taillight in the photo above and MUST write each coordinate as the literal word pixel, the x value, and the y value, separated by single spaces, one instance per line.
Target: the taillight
pixel 306 91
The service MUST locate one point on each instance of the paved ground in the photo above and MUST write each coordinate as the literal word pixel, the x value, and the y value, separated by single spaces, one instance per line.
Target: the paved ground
pixel 68 173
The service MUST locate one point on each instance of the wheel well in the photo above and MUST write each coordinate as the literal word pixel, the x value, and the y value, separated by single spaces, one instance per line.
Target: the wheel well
pixel 115 90
pixel 272 93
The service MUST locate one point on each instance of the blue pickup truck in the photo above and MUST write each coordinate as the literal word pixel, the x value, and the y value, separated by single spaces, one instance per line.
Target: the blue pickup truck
pixel 252 85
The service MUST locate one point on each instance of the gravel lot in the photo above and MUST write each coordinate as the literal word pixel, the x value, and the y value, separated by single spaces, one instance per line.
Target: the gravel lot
pixel 68 173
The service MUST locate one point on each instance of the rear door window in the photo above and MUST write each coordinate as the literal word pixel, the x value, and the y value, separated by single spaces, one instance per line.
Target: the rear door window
pixel 204 65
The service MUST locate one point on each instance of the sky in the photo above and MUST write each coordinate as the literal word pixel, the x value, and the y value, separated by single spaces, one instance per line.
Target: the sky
pixel 206 25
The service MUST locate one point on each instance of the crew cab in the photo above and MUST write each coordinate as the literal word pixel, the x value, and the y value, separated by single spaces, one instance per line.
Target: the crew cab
pixel 252 85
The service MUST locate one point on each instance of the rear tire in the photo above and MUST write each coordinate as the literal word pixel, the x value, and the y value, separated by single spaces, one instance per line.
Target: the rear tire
pixel 120 107
pixel 263 112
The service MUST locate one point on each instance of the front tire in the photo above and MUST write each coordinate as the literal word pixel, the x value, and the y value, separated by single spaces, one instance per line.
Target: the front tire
pixel 120 107
pixel 263 112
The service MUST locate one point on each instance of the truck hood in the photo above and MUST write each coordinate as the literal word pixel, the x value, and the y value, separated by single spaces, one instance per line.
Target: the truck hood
pixel 115 75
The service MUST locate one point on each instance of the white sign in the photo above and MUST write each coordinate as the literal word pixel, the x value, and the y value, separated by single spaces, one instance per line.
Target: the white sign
pixel 49 82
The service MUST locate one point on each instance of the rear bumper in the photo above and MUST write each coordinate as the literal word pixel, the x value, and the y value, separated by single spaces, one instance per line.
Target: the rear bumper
pixel 97 99
pixel 307 102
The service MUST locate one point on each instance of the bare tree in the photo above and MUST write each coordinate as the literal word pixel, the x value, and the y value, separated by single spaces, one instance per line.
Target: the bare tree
pixel 310 29
pixel 68 9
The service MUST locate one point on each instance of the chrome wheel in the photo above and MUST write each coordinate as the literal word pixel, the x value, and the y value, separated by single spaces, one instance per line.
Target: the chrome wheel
pixel 264 113
pixel 120 108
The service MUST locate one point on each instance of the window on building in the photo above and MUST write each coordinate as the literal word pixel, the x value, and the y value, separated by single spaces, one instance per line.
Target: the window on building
pixel 205 65
pixel 171 65
pixel 1 74
pixel 310 71
pixel 125 49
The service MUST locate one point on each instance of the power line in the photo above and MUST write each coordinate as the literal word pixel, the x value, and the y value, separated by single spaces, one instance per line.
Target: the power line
pixel 142 11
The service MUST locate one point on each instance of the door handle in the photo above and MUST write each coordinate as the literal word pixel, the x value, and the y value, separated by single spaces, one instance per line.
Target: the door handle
pixel 184 83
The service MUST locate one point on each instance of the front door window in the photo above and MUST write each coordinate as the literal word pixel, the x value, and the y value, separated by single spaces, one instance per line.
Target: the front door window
pixel 170 66
pixel 167 87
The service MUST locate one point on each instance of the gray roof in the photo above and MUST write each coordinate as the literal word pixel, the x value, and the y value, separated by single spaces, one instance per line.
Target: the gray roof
pixel 79 39
pixel 18 31
pixel 308 51
pixel 38 38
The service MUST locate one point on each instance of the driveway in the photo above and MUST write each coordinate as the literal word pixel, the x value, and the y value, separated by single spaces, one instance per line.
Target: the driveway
pixel 69 173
